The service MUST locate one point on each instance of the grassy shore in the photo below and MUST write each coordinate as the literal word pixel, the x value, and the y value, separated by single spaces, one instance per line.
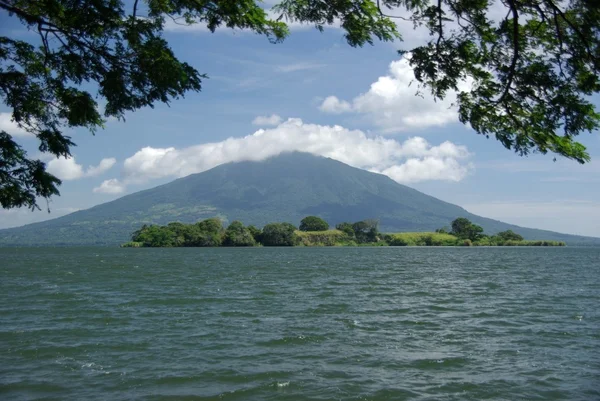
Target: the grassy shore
pixel 211 233
pixel 339 238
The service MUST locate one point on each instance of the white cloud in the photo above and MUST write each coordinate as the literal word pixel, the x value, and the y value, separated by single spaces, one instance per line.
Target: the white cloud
pixel 428 168
pixel 333 105
pixel 273 119
pixel 112 186
pixel 151 163
pixel 105 165
pixel 8 125
pixel 68 169
pixel 392 102
pixel 65 169
pixel 409 161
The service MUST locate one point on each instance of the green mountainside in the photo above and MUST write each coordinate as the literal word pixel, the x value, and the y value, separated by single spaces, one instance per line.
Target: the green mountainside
pixel 283 188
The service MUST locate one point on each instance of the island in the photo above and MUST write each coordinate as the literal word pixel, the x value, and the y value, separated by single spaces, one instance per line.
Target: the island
pixel 314 231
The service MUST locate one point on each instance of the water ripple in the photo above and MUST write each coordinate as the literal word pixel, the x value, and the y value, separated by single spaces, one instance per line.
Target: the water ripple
pixel 300 324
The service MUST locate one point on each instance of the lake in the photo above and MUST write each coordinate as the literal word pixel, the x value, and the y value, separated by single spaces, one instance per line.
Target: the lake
pixel 300 324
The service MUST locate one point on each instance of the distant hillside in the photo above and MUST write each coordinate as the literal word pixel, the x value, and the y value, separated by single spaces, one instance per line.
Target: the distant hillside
pixel 283 188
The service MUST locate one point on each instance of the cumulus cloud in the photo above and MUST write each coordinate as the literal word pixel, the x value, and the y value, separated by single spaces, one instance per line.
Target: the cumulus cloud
pixel 333 105
pixel 410 161
pixel 428 168
pixel 65 169
pixel 273 119
pixel 8 125
pixel 68 169
pixel 112 186
pixel 392 102
pixel 105 165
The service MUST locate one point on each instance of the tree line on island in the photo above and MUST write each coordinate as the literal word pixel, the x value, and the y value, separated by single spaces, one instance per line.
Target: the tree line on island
pixel 314 231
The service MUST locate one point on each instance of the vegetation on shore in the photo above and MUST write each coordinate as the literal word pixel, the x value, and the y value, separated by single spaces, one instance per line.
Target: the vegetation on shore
pixel 211 233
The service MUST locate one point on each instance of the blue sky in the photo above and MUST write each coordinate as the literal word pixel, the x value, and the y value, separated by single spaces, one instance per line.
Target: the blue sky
pixel 315 93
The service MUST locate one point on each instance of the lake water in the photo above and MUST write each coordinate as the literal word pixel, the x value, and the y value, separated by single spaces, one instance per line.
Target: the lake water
pixel 300 324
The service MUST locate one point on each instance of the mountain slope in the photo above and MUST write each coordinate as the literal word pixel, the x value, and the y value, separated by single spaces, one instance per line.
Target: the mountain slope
pixel 284 188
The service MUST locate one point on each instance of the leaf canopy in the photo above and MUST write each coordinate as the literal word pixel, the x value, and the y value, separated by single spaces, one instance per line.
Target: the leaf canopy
pixel 525 77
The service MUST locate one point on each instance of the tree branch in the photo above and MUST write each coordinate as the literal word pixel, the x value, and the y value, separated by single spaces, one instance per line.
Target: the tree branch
pixel 28 17
pixel 44 37
pixel 581 36
pixel 176 20
pixel 53 28
pixel 515 58
pixel 390 16
pixel 460 17
pixel 440 26
pixel 561 44
pixel 135 5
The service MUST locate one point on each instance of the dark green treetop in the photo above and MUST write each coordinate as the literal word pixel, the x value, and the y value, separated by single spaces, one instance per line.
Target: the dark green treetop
pixel 366 231
pixel 531 72
pixel 279 234
pixel 208 232
pixel 212 225
pixel 155 236
pixel 313 223
pixel 346 228
pixel 255 232
pixel 509 235
pixel 238 235
pixel 464 229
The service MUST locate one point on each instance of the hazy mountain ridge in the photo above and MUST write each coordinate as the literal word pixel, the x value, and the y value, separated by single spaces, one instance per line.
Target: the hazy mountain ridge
pixel 283 188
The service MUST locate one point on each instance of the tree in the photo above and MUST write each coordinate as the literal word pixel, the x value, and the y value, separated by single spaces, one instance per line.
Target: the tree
pixel 460 225
pixel 525 80
pixel 346 228
pixel 179 231
pixel 207 233
pixel 238 235
pixel 256 233
pixel 313 223
pixel 509 235
pixel 464 229
pixel 212 225
pixel 154 236
pixel 279 234
pixel 137 233
pixel 366 231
